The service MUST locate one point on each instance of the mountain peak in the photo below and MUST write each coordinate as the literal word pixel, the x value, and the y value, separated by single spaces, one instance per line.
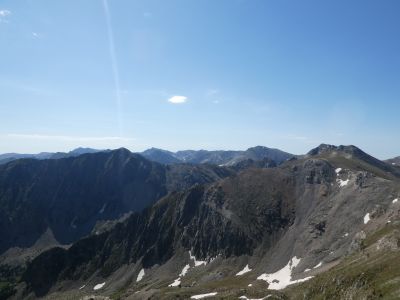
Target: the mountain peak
pixel 122 151
pixel 327 148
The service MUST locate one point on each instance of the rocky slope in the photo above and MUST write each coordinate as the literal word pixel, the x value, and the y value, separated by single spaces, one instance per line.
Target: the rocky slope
pixel 249 235
pixel 58 201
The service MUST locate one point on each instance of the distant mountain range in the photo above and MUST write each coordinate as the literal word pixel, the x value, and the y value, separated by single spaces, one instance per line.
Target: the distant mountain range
pixel 226 158
pixel 7 157
pixel 221 157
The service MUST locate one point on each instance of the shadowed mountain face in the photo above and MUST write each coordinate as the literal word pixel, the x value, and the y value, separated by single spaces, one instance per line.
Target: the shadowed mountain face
pixel 228 158
pixel 66 197
pixel 314 207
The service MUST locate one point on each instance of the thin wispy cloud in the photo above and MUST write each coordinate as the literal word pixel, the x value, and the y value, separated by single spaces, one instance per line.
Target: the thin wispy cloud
pixel 212 92
pixel 70 138
pixel 4 13
pixel 177 99
pixel 111 46
pixel 27 87
pixel 36 35
pixel 213 95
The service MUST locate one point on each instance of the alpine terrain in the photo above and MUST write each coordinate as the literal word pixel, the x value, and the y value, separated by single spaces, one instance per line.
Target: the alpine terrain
pixel 325 225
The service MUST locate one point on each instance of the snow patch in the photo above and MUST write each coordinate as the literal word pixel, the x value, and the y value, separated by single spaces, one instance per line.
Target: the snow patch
pixel 317 266
pixel 283 277
pixel 245 298
pixel 82 287
pixel 184 270
pixel 366 218
pixel 140 275
pixel 346 234
pixel 245 270
pixel 395 200
pixel 250 285
pixel 99 286
pixel 177 282
pixel 343 183
pixel 202 296
pixel 197 262
pixel 307 270
pixel 338 170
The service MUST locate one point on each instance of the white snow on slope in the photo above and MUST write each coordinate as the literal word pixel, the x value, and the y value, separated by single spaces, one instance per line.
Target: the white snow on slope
pixel 343 183
pixel 82 287
pixel 177 282
pixel 317 266
pixel 202 296
pixel 338 170
pixel 184 270
pixel 395 200
pixel 283 277
pixel 245 270
pixel 245 298
pixel 99 286
pixel 140 275
pixel 196 262
pixel 366 218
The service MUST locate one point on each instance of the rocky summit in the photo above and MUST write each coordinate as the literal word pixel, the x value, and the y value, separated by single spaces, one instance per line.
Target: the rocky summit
pixel 320 226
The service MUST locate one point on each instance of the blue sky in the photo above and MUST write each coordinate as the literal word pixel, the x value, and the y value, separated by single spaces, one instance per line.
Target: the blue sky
pixel 179 74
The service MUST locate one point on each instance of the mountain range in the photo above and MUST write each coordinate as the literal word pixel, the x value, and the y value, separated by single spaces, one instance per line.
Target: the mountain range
pixel 219 157
pixel 252 224
pixel 7 157
pixel 227 158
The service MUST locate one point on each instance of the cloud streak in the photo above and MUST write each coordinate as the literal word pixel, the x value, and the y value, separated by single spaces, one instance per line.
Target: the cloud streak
pixel 177 99
pixel 111 46
pixel 70 138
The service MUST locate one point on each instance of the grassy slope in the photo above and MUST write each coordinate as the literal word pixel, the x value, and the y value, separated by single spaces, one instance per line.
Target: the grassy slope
pixel 369 274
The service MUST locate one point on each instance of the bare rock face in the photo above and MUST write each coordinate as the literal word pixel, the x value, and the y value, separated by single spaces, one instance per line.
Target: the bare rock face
pixel 357 243
pixel 390 242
